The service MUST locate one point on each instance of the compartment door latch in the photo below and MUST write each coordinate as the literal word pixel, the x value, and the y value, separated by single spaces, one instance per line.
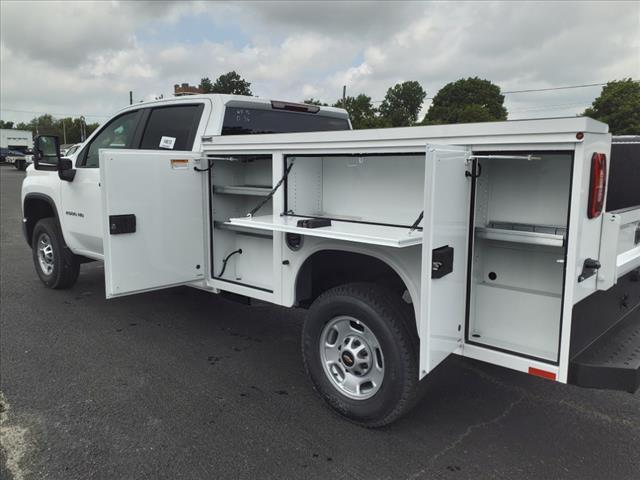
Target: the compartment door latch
pixel 122 224
pixel 441 261
pixel 589 269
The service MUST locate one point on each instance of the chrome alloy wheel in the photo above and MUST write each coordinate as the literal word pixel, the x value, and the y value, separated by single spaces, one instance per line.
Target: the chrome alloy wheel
pixel 351 357
pixel 45 254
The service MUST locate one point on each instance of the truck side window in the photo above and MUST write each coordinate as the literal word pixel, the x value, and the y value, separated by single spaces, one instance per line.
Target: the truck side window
pixel 172 128
pixel 117 134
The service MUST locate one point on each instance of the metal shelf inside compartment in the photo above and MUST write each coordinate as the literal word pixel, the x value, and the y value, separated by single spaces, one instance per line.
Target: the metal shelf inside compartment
pixel 253 190
pixel 374 234
pixel 548 235
pixel 242 230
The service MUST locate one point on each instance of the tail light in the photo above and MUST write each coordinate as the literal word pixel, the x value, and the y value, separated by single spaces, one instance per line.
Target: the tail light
pixel 597 185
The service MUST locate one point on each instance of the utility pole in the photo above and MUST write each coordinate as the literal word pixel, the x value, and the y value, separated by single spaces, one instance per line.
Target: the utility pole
pixel 83 130
pixel 64 132
pixel 344 97
pixel 130 97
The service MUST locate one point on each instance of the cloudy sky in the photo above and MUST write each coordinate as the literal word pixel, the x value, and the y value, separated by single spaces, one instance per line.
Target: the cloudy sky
pixel 80 57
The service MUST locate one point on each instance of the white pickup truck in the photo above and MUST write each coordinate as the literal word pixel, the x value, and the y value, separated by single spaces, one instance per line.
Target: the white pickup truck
pixel 490 241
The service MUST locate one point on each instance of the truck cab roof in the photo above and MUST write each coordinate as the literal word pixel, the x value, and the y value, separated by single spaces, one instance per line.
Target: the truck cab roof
pixel 236 101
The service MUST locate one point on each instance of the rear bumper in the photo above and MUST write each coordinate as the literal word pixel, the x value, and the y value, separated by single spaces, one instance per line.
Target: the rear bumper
pixel 605 338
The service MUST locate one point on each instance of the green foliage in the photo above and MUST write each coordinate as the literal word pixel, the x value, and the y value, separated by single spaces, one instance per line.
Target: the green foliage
pixel 206 85
pixel 467 100
pixel 315 101
pixel 48 125
pixel 402 104
pixel 4 124
pixel 230 83
pixel 618 106
pixel 361 112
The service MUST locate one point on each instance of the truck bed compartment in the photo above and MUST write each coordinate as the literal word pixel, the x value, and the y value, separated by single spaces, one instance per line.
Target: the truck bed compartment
pixel 518 254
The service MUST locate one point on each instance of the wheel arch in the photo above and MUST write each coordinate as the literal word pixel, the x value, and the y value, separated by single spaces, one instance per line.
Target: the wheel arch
pixel 37 206
pixel 348 264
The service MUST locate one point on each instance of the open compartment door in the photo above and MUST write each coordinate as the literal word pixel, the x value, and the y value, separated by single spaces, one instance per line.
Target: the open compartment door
pixel 444 253
pixel 153 223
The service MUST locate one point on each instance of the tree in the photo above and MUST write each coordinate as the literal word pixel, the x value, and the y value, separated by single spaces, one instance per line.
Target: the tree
pixel 206 85
pixel 618 106
pixel 361 111
pixel 467 100
pixel 230 83
pixel 402 104
pixel 4 124
pixel 48 125
pixel 315 101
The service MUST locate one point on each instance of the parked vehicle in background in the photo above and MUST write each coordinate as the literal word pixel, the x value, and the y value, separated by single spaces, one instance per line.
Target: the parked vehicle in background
pixel 4 152
pixel 19 160
pixel 15 147
pixel 17 140
pixel 68 152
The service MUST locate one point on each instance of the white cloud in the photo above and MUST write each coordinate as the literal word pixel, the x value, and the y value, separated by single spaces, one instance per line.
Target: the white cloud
pixel 84 57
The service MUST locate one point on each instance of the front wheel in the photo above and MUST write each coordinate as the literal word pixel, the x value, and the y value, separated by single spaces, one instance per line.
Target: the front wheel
pixel 56 265
pixel 360 353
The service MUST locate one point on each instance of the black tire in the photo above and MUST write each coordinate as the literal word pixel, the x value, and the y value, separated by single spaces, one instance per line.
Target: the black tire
pixel 388 318
pixel 65 266
pixel 23 165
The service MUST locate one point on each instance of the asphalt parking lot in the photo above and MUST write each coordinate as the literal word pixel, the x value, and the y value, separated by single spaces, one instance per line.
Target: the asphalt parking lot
pixel 182 384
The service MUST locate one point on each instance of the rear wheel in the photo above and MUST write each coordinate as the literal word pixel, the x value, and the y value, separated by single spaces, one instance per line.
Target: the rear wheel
pixel 56 265
pixel 360 353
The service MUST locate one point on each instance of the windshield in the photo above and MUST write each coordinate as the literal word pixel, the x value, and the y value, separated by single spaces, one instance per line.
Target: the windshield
pixel 247 121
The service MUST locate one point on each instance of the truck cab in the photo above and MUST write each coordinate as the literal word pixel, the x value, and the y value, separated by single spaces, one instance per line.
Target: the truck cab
pixel 176 125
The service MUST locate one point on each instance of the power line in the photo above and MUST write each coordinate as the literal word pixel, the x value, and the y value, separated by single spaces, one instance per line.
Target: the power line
pixel 531 90
pixel 555 88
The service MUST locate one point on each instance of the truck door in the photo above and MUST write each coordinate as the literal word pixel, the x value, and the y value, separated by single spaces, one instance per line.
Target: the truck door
pixel 444 253
pixel 153 221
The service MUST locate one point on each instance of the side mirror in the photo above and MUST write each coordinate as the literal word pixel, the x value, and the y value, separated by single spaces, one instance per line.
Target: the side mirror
pixel 46 152
pixel 65 170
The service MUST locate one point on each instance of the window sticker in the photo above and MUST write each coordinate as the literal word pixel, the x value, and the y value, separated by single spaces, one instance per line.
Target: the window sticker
pixel 167 142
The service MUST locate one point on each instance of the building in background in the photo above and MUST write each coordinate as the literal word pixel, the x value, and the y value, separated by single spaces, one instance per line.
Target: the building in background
pixel 185 89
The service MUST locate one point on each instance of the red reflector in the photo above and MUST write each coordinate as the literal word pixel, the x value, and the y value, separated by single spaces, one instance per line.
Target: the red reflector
pixel 597 185
pixel 542 373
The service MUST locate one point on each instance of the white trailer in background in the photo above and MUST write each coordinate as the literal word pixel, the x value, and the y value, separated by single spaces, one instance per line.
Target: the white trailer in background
pixel 19 140
pixel 406 245
pixel 16 146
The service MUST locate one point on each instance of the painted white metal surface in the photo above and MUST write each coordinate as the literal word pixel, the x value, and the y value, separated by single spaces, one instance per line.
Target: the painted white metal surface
pixel 522 132
pixel 167 247
pixel 514 236
pixel 619 254
pixel 446 223
pixel 348 231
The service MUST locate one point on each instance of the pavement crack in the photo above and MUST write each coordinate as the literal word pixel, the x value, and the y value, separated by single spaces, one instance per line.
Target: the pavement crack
pixel 576 408
pixel 12 441
pixel 470 429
